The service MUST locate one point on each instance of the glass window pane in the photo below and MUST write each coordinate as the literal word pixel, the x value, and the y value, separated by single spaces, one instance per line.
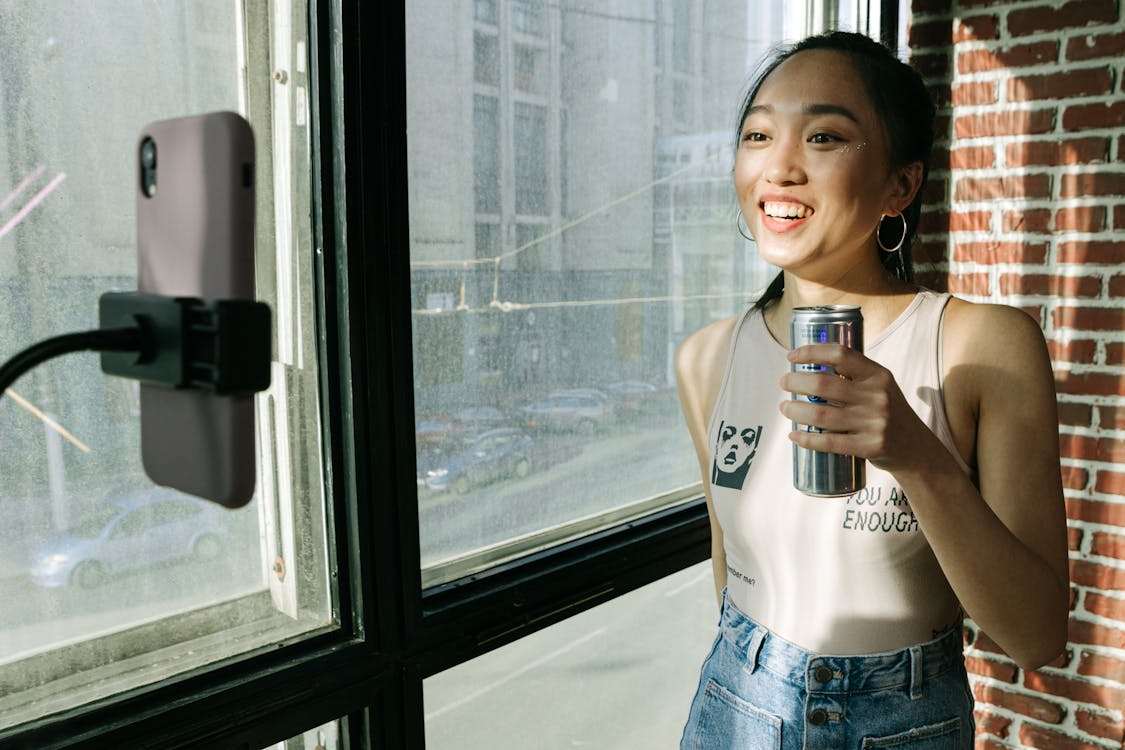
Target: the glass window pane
pixel 109 581
pixel 324 737
pixel 599 231
pixel 618 677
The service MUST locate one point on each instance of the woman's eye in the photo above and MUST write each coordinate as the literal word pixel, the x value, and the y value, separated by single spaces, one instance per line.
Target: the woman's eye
pixel 754 136
pixel 823 138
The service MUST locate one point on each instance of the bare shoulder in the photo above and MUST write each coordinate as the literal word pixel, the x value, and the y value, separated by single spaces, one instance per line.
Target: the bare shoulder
pixel 700 362
pixel 698 355
pixel 990 334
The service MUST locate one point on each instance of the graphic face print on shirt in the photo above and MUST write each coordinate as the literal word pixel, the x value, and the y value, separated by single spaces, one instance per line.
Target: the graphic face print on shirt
pixel 734 450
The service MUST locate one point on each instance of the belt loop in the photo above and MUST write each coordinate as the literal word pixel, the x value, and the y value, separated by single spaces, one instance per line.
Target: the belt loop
pixel 915 672
pixel 754 647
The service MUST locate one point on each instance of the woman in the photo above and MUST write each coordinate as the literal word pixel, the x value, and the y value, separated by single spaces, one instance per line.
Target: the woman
pixel 841 617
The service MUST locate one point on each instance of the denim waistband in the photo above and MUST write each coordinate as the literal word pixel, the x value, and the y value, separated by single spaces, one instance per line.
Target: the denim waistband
pixel 825 673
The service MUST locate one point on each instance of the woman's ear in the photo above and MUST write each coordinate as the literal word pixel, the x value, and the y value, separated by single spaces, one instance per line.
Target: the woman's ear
pixel 905 184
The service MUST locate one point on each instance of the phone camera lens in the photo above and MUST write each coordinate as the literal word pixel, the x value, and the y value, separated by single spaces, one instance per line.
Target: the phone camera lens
pixel 148 154
pixel 148 167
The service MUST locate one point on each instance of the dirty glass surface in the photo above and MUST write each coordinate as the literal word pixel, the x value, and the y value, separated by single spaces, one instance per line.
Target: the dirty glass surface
pixel 572 219
pixel 107 580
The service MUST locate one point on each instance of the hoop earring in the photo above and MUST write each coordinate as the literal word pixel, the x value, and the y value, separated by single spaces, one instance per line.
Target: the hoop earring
pixel 739 222
pixel 901 239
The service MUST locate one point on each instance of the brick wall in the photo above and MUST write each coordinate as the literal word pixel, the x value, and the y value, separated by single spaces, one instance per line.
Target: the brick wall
pixel 1028 209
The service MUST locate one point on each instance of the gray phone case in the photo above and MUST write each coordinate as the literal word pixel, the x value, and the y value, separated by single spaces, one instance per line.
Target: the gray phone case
pixel 195 238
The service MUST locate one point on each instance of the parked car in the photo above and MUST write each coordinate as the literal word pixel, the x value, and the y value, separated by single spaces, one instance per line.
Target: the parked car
pixel 478 418
pixel 632 394
pixel 476 460
pixel 568 411
pixel 141 529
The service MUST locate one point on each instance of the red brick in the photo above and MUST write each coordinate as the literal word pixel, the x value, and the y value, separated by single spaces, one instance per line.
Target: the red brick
pixel 990 723
pixel 970 221
pixel 1054 152
pixel 1075 478
pixel 1105 544
pixel 1050 284
pixel 1093 116
pixel 933 222
pixel 1112 418
pixel 1096 575
pixel 1065 85
pixel 1094 634
pixel 1110 483
pixel 1089 384
pixel 1119 217
pixel 975 28
pixel 1100 725
pixel 1109 607
pixel 1073 543
pixel 1027 705
pixel 1114 353
pixel 1092 185
pixel 1031 221
pixel 972 157
pixel 1080 219
pixel 1001 252
pixel 969 283
pixel 1075 14
pixel 1001 187
pixel 1107 696
pixel 1016 56
pixel 936 33
pixel 1079 352
pixel 1092 46
pixel 1096 511
pixel 968 94
pixel 1093 664
pixel 1092 449
pixel 1035 736
pixel 1008 122
pixel 1090 318
pixel 997 670
pixel 1092 252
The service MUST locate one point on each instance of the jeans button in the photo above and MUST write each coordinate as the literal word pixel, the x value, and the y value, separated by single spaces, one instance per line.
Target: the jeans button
pixel 822 674
pixel 818 716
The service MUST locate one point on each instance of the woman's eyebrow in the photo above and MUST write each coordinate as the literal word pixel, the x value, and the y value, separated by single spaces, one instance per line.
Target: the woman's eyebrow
pixel 808 109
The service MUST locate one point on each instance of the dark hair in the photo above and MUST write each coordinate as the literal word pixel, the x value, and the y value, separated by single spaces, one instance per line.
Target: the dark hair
pixel 901 102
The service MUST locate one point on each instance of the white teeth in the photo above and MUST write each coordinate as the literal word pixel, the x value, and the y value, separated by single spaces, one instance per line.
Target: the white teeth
pixel 786 210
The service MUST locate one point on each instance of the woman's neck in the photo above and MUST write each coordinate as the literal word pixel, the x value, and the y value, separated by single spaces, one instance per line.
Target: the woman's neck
pixel 881 296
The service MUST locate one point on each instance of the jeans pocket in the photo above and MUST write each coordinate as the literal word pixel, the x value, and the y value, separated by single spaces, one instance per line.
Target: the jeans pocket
pixel 726 721
pixel 945 735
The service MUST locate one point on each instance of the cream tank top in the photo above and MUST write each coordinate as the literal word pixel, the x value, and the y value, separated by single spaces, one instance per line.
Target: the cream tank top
pixel 847 575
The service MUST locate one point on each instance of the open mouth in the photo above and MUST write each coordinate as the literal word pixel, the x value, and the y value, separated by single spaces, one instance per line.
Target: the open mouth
pixel 785 211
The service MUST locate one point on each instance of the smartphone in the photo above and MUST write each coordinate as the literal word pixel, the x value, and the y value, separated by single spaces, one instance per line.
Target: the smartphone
pixel 195 238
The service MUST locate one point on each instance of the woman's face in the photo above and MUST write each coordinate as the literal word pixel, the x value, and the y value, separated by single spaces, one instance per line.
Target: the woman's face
pixel 812 171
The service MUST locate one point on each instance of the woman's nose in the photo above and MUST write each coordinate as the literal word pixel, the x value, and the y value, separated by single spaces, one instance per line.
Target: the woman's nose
pixel 785 166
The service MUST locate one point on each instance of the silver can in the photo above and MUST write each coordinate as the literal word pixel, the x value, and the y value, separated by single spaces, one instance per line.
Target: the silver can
pixel 815 473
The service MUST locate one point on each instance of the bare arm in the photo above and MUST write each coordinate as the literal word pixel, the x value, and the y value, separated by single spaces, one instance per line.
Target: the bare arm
pixel 1003 546
pixel 700 362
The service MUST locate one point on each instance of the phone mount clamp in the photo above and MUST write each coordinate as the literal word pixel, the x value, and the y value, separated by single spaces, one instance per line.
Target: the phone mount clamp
pixel 220 347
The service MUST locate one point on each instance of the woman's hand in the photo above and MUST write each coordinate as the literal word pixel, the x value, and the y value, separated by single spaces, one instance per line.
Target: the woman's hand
pixel 863 413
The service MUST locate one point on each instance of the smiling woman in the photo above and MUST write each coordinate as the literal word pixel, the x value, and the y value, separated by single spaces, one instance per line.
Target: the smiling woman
pixel 838 630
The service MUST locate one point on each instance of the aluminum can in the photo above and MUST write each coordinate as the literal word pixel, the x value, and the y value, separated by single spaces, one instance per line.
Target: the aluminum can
pixel 816 473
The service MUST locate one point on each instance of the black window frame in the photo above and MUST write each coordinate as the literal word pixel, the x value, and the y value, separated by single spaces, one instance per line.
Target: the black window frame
pixel 392 635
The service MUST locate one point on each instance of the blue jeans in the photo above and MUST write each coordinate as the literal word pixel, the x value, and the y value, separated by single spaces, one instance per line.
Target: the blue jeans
pixel 759 691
